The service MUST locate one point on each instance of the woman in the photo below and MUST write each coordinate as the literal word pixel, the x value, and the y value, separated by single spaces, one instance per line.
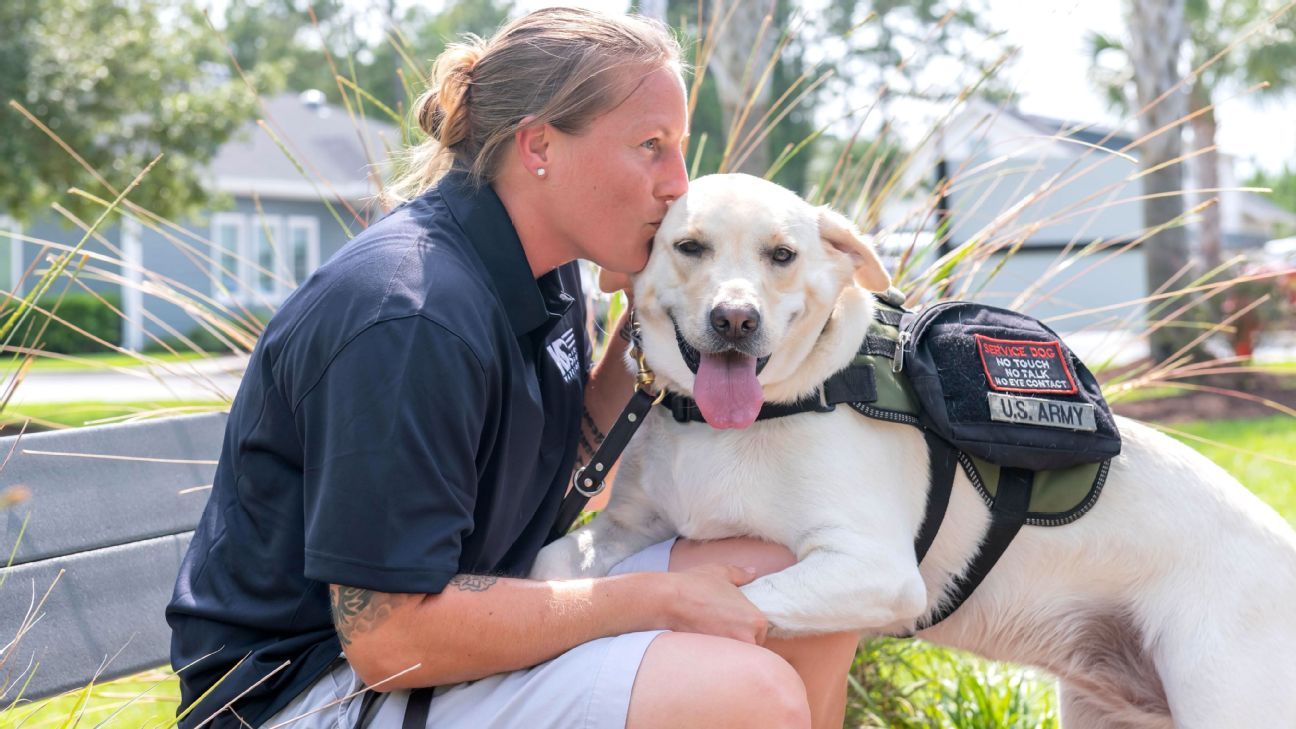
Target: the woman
pixel 408 422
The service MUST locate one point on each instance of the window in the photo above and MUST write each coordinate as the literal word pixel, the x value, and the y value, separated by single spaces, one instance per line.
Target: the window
pixel 11 260
pixel 261 258
pixel 267 278
pixel 229 251
pixel 303 247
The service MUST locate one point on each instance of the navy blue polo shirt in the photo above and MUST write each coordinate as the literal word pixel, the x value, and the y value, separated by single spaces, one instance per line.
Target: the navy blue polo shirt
pixel 409 414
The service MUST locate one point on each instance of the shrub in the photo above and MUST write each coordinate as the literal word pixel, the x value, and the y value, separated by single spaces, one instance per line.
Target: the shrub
pixel 82 311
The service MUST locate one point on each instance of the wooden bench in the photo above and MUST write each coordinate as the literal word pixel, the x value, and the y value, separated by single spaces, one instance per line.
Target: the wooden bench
pixel 110 513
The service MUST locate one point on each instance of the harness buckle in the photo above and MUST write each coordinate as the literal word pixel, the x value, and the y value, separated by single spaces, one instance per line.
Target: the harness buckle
pixel 585 485
pixel 823 405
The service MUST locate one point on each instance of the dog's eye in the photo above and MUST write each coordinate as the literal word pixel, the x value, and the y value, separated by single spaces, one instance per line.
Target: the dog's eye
pixel 783 254
pixel 689 247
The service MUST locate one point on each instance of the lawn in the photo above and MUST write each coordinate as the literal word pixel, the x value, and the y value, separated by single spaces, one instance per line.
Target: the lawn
pixel 1275 437
pixel 101 361
pixel 893 684
pixel 77 414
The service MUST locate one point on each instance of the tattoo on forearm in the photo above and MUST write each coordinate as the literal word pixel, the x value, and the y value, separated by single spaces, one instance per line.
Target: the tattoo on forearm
pixel 357 610
pixel 624 331
pixel 473 583
pixel 592 426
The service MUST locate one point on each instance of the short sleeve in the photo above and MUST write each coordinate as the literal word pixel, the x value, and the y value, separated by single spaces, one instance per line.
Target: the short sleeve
pixel 391 432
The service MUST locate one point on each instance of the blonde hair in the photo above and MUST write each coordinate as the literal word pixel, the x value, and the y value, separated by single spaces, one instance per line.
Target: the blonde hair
pixel 559 66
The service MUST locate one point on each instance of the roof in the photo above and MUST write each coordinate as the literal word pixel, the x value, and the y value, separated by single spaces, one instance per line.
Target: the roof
pixel 1088 133
pixel 328 143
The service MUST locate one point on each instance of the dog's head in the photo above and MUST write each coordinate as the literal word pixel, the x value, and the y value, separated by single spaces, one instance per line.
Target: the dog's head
pixel 743 278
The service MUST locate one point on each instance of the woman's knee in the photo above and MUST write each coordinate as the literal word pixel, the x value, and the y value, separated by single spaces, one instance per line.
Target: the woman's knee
pixel 765 557
pixel 691 680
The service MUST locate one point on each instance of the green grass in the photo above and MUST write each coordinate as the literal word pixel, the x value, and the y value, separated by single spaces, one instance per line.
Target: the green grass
pixel 144 700
pixel 1274 436
pixel 101 361
pixel 77 414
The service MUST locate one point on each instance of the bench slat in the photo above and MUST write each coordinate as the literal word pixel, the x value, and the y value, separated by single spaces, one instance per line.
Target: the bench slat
pixel 106 599
pixel 79 503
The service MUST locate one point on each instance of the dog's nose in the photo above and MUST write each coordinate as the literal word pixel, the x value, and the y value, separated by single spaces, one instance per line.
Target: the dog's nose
pixel 735 322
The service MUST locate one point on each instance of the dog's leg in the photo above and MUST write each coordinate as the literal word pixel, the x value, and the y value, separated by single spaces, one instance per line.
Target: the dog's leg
pixel 622 529
pixel 851 585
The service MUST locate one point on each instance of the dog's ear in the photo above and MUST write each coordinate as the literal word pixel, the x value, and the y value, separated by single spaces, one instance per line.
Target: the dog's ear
pixel 841 234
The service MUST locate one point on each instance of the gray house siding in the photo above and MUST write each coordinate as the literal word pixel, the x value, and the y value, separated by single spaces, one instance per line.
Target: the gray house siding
pixel 249 251
pixel 181 268
pixel 1076 202
pixel 1068 300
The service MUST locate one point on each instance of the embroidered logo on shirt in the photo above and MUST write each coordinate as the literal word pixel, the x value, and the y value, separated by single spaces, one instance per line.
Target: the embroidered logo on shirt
pixel 563 352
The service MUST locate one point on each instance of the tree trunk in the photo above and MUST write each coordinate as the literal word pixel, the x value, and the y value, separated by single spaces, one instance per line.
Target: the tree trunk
pixel 1156 29
pixel 1207 167
pixel 743 50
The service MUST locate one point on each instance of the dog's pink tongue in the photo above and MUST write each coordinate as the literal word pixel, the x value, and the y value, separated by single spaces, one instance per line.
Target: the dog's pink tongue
pixel 726 390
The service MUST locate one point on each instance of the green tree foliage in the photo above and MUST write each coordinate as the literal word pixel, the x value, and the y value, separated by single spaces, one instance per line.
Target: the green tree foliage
pixel 395 69
pixel 119 81
pixel 280 35
pixel 873 49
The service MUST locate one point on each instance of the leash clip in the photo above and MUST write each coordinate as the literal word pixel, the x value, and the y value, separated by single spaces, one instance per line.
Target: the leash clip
pixel 644 377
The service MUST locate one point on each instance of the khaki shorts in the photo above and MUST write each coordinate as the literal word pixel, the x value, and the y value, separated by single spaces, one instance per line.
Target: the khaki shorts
pixel 588 687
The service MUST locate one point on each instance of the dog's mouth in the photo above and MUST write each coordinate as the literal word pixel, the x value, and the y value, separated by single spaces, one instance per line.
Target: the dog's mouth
pixel 725 386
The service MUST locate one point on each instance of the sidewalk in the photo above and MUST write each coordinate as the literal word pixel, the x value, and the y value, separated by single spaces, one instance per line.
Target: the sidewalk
pixel 205 379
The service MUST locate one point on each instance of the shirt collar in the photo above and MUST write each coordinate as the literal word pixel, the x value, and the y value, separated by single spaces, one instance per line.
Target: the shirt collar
pixel 529 303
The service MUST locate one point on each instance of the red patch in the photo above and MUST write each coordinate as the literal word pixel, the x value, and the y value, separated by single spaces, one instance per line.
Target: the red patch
pixel 1013 365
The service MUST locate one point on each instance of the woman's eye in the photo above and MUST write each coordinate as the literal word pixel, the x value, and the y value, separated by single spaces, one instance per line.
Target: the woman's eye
pixel 650 145
pixel 783 254
pixel 689 247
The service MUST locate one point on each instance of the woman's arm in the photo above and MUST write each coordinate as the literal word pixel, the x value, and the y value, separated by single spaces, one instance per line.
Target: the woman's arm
pixel 478 625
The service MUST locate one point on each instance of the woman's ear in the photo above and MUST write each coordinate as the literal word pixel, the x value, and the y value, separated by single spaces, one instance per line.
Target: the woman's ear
pixel 842 235
pixel 532 144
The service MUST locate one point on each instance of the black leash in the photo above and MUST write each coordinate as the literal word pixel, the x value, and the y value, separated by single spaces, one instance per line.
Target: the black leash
pixel 590 480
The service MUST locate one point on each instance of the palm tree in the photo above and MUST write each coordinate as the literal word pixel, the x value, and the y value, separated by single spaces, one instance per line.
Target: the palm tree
pixel 1234 45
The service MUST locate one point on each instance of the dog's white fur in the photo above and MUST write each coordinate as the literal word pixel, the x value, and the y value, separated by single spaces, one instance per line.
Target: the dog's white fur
pixel 1173 597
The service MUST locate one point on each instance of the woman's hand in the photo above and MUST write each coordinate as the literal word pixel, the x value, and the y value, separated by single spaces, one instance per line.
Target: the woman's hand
pixel 707 600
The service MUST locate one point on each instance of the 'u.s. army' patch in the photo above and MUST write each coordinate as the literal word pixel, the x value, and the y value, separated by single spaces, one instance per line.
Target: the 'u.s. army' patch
pixel 1023 366
pixel 1038 411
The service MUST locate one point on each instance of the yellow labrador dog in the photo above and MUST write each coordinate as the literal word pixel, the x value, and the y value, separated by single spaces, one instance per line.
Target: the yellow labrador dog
pixel 1171 603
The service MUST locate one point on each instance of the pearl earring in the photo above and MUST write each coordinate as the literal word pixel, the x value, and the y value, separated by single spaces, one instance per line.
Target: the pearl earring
pixel 540 171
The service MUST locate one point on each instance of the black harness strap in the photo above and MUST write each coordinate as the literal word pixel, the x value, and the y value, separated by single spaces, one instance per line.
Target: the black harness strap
pixel 416 711
pixel 588 480
pixel 853 384
pixel 1012 500
pixel 944 460
pixel 368 708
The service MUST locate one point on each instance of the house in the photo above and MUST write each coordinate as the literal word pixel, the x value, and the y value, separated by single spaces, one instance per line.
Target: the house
pixel 270 227
pixel 1054 187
